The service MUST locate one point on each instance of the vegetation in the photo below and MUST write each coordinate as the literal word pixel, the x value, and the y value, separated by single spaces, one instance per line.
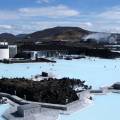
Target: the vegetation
pixel 56 91
pixel 116 86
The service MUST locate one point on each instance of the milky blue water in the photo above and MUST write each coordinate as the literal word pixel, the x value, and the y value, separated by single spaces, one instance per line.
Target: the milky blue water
pixel 97 72
pixel 103 108
pixel 3 108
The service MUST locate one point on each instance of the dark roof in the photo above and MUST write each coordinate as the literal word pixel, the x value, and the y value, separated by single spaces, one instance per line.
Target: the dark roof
pixel 3 46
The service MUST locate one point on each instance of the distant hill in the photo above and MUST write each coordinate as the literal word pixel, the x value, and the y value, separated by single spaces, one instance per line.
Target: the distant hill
pixel 62 33
pixel 21 35
pixel 57 33
pixel 7 37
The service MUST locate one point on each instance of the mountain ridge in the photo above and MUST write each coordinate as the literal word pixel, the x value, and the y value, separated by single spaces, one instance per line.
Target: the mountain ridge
pixel 58 33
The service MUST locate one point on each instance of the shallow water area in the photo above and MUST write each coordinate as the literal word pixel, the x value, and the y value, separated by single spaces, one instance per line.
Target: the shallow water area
pixel 3 108
pixel 104 108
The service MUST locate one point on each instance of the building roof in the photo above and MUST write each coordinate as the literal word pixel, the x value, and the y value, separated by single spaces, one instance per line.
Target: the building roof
pixel 3 45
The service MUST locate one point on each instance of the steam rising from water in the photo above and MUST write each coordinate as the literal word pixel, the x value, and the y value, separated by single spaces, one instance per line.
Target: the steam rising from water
pixel 102 37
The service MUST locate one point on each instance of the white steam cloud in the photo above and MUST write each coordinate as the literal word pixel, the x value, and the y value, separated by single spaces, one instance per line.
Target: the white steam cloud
pixel 102 37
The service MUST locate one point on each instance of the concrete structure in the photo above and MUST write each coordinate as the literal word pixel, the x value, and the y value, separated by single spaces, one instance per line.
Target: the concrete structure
pixel 12 50
pixel 42 76
pixel 28 109
pixel 4 50
pixel 47 53
pixel 34 55
pixel 7 51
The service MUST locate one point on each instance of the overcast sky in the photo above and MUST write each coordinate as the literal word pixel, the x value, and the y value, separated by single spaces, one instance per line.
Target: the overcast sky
pixel 25 16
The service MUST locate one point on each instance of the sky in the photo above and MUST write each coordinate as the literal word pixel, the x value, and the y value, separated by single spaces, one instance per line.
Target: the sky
pixel 26 16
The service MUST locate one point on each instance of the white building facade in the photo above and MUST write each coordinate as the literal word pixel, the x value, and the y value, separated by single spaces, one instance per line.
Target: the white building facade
pixel 4 50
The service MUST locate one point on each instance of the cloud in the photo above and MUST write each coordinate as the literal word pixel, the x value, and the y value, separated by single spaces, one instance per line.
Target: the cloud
pixel 42 1
pixel 8 15
pixel 52 11
pixel 59 11
pixel 88 24
pixel 107 20
pixel 111 14
pixel 38 18
pixel 6 27
pixel 33 26
pixel 40 25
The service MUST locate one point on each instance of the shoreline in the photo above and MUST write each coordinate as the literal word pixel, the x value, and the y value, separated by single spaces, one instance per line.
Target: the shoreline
pixel 40 60
pixel 70 109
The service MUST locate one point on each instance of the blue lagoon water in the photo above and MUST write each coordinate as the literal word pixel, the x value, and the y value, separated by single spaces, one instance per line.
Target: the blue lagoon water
pixel 97 72
pixel 3 108
pixel 104 108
